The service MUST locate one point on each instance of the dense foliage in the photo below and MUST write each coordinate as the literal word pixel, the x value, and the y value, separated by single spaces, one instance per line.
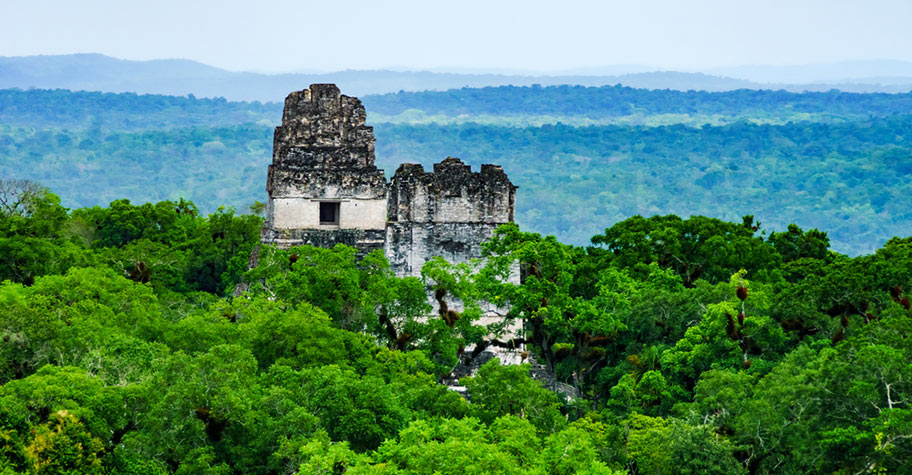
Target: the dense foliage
pixel 81 110
pixel 137 340
pixel 95 167
pixel 850 178
pixel 617 102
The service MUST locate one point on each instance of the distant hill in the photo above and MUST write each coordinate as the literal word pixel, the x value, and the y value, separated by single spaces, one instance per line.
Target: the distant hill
pixel 888 72
pixel 95 72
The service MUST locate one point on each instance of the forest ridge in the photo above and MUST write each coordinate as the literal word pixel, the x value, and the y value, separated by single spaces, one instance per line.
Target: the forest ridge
pixel 181 77
pixel 584 158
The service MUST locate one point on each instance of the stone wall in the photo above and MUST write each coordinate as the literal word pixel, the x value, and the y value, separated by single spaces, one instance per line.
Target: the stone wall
pixel 452 193
pixel 321 128
pixel 324 153
pixel 449 212
pixel 365 240
pixel 304 213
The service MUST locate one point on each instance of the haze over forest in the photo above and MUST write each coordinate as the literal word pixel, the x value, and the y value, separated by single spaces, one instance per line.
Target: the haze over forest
pixel 95 72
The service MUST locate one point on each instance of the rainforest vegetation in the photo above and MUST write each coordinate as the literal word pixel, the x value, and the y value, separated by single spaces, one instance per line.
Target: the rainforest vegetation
pixel 583 158
pixel 619 104
pixel 127 346
pixel 719 283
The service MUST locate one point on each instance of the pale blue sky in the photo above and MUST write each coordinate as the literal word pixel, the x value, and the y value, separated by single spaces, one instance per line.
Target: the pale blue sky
pixel 495 34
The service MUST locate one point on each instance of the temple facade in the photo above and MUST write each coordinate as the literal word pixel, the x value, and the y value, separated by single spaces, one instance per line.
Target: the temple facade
pixel 324 189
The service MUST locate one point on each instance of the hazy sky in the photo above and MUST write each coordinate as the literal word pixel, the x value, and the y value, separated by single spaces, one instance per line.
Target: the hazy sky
pixel 493 34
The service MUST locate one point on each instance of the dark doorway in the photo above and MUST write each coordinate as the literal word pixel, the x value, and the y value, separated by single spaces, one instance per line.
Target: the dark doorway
pixel 329 212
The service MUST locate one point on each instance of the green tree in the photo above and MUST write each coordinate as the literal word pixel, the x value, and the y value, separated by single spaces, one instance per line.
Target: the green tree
pixel 499 390
pixel 658 446
pixel 695 248
pixel 449 446
pixel 63 446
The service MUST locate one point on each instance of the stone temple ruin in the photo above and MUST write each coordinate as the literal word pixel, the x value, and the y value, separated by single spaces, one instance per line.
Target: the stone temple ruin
pixel 324 189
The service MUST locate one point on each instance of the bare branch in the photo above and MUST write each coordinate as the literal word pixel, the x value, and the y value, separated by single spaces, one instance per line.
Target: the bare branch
pixel 19 197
